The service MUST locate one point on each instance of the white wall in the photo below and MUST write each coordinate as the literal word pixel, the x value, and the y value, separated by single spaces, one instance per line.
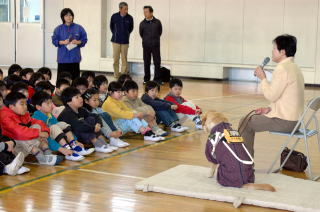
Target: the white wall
pixel 208 34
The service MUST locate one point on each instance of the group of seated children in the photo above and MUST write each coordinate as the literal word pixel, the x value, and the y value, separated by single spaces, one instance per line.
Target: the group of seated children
pixel 39 118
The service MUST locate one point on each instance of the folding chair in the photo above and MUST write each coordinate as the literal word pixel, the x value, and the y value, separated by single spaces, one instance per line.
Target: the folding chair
pixel 301 131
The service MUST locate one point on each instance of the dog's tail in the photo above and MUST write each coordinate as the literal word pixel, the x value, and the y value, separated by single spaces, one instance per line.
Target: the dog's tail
pixel 264 187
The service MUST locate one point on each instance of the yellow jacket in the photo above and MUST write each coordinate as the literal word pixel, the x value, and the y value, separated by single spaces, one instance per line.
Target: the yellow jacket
pixel 117 109
pixel 285 91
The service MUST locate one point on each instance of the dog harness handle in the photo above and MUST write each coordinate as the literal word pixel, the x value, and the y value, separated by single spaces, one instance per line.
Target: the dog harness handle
pixel 247 162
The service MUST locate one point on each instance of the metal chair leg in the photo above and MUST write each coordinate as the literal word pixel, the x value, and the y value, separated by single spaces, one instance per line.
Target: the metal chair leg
pixel 291 150
pixel 308 157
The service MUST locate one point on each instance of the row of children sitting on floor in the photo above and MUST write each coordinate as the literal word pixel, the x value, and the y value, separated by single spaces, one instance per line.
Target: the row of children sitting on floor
pixel 34 120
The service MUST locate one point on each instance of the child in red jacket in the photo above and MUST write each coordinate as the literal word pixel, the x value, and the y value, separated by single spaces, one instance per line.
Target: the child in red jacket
pixel 186 110
pixel 29 134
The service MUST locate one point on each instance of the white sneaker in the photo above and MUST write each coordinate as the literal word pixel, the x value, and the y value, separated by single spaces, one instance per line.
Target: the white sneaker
pixel 177 129
pixel 112 147
pixel 199 126
pixel 118 142
pixel 14 166
pixel 51 160
pixel 104 149
pixel 85 151
pixel 74 157
pixel 160 132
pixel 184 127
pixel 153 138
pixel 23 170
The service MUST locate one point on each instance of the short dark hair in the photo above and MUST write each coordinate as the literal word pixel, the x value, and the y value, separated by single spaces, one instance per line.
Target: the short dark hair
pixel 87 74
pixel 68 94
pixel 1 72
pixel 288 43
pixel 18 86
pixel 114 86
pixel 64 12
pixel 61 82
pixel 39 97
pixel 89 93
pixel 123 78
pixel 35 77
pixel 99 80
pixel 12 98
pixel 64 75
pixel 175 81
pixel 45 70
pixel 2 84
pixel 151 85
pixel 44 85
pixel 148 7
pixel 14 68
pixel 26 71
pixel 12 79
pixel 130 85
pixel 80 81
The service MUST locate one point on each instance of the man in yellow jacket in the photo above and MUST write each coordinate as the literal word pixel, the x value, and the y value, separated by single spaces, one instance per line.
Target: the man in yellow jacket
pixel 285 93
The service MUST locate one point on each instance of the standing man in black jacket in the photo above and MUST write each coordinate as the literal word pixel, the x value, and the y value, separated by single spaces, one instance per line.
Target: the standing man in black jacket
pixel 150 31
pixel 121 26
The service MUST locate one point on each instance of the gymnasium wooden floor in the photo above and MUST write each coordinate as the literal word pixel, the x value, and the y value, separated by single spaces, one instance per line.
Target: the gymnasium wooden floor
pixel 105 182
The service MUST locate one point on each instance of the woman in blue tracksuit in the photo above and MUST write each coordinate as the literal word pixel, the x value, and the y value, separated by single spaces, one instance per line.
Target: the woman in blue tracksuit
pixel 69 38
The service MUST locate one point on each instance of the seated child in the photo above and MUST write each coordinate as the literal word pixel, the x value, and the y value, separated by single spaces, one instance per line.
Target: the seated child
pixel 46 73
pixel 81 84
pixel 126 118
pixel 109 130
pixel 3 89
pixel 164 109
pixel 29 134
pixel 61 84
pixel 11 80
pixel 45 86
pixel 131 99
pixel 66 76
pixel 85 125
pixel 101 84
pixel 61 138
pixel 185 110
pixel 9 163
pixel 123 78
pixel 89 75
pixel 26 74
pixel 14 69
pixel 34 80
pixel 22 87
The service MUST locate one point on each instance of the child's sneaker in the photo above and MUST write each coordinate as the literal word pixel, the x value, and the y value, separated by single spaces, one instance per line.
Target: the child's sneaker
pixel 51 160
pixel 82 151
pixel 150 136
pixel 104 149
pixel 112 147
pixel 118 142
pixel 74 157
pixel 199 126
pixel 14 166
pixel 23 170
pixel 177 128
pixel 160 132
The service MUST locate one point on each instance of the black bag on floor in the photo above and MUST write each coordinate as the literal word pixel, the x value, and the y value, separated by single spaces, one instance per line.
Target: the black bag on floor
pixel 297 161
pixel 165 74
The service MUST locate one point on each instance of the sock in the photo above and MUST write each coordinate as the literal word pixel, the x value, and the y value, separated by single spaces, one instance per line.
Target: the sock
pixel 66 146
pixel 73 143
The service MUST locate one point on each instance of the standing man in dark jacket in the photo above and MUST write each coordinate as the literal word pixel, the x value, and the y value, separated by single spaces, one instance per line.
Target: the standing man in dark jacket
pixel 150 31
pixel 121 26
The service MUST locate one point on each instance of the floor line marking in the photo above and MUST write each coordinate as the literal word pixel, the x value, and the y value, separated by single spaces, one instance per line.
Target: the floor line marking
pixel 110 173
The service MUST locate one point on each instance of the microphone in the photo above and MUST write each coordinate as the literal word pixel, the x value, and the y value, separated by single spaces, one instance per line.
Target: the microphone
pixel 264 63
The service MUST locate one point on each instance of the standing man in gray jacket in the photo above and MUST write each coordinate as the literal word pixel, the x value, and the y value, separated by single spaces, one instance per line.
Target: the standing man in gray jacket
pixel 121 25
pixel 150 31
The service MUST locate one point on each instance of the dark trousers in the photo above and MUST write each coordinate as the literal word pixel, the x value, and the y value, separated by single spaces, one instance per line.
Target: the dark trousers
pixel 72 68
pixel 108 119
pixel 167 117
pixel 5 159
pixel 155 51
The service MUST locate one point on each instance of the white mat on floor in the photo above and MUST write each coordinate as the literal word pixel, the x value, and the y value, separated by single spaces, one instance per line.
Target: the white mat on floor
pixel 191 181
